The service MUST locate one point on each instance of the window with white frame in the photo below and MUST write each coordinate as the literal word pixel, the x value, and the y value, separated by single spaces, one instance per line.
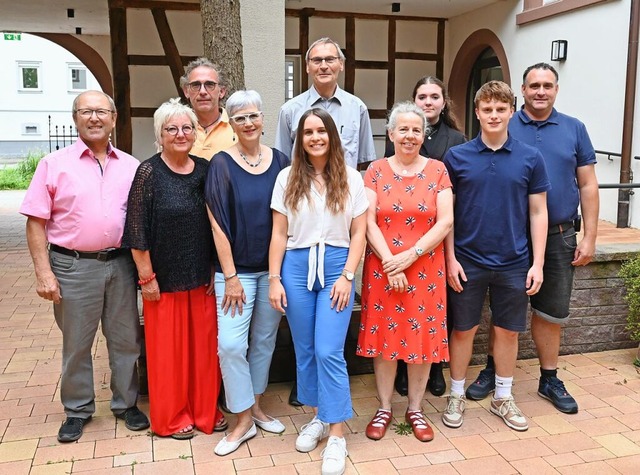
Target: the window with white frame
pixel 30 129
pixel 29 76
pixel 291 77
pixel 77 77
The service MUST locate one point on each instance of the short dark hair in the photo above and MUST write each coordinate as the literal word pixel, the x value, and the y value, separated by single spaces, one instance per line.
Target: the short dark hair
pixel 546 66
pixel 202 61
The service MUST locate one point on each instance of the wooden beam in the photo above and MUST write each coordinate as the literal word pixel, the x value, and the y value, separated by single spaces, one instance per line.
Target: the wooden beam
pixel 293 51
pixel 303 26
pixel 378 113
pixel 169 47
pixel 142 111
pixel 121 78
pixel 145 5
pixel 371 64
pixel 350 47
pixel 362 16
pixel 155 60
pixel 391 60
pixel 417 56
pixel 440 51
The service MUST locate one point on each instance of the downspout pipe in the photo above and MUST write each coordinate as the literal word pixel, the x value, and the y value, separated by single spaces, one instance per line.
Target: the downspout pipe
pixel 629 106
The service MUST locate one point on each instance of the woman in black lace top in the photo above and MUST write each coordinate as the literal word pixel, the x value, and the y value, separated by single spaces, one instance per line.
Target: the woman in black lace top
pixel 168 230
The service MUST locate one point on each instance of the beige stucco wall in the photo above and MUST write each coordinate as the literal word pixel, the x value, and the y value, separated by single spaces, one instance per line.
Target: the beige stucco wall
pixel 263 29
pixel 592 78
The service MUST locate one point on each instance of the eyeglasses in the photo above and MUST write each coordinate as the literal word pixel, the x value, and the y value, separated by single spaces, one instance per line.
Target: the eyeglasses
pixel 195 86
pixel 242 119
pixel 100 113
pixel 173 130
pixel 330 60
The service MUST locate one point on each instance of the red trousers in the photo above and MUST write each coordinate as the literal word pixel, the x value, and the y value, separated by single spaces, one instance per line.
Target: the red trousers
pixel 181 331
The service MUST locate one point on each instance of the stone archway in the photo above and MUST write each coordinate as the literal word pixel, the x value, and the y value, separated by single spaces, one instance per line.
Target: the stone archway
pixel 471 49
pixel 86 54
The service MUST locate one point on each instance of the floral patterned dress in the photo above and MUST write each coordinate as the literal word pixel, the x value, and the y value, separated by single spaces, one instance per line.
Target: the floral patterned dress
pixel 410 325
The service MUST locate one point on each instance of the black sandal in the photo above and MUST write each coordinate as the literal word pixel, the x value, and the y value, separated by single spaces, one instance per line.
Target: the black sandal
pixel 184 434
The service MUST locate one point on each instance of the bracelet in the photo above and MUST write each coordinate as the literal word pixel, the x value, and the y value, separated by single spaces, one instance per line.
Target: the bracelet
pixel 146 281
pixel 275 276
pixel 230 276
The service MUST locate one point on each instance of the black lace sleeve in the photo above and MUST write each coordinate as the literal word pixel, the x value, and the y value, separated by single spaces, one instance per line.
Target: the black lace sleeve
pixel 137 230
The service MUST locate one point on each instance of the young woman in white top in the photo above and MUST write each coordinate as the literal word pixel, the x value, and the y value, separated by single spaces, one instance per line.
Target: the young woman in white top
pixel 319 228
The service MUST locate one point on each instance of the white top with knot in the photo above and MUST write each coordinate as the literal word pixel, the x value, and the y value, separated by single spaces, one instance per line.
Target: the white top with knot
pixel 315 226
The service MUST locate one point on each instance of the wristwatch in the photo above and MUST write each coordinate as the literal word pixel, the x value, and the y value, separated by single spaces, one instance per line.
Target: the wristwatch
pixel 348 275
pixel 419 251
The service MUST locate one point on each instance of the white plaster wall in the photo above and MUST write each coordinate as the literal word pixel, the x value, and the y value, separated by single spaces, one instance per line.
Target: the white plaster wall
pixel 54 97
pixel 263 28
pixel 591 79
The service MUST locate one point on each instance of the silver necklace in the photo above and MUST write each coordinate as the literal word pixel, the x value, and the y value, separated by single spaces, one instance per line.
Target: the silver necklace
pixel 252 165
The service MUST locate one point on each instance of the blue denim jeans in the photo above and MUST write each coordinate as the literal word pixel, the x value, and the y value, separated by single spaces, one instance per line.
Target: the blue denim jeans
pixel 319 333
pixel 246 341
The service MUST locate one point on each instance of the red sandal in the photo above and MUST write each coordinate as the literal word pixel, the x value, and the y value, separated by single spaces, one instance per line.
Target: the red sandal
pixel 421 429
pixel 379 424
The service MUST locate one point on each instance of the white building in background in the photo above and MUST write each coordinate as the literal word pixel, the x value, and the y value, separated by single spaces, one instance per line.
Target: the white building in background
pixel 38 79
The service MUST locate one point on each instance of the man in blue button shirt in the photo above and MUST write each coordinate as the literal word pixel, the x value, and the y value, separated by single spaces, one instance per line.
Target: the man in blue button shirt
pixel 325 61
pixel 570 160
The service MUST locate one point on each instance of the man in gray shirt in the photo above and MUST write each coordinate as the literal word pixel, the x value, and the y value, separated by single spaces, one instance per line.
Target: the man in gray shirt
pixel 325 61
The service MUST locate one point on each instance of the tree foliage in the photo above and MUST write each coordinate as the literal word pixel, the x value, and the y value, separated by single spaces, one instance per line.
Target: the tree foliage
pixel 630 273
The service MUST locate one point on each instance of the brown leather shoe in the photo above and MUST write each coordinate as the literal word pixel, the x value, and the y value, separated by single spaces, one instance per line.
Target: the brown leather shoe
pixel 421 429
pixel 378 425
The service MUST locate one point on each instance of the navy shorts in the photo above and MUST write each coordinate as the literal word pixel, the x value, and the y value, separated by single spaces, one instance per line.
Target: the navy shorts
pixel 508 299
pixel 552 301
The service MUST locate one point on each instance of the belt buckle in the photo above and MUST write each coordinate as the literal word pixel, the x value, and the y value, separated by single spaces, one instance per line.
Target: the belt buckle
pixel 103 256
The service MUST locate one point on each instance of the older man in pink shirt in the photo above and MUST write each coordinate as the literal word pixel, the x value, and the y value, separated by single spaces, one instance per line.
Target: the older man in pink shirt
pixel 76 203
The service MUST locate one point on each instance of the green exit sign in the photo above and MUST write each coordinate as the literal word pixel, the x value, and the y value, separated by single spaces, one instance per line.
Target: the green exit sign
pixel 12 36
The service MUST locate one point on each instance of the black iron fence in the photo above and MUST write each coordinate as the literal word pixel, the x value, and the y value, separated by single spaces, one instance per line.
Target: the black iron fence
pixel 61 136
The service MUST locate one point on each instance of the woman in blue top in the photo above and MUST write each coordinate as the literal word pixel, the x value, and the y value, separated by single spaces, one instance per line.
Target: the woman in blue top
pixel 238 191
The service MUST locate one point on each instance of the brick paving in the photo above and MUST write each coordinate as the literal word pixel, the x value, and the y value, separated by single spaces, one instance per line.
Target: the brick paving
pixel 603 438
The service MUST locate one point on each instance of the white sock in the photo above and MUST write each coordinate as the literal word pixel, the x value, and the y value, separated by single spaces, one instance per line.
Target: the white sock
pixel 457 386
pixel 503 387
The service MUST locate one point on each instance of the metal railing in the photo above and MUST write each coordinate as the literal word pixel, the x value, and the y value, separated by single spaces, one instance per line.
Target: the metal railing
pixel 61 139
pixel 613 154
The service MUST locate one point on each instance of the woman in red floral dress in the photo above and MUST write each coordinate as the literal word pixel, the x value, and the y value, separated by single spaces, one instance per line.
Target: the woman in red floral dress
pixel 404 279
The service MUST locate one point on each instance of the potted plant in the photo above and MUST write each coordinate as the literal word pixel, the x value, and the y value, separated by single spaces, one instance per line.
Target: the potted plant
pixel 630 273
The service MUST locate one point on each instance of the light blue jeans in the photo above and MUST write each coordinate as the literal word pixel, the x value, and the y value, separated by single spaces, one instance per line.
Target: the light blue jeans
pixel 246 341
pixel 319 333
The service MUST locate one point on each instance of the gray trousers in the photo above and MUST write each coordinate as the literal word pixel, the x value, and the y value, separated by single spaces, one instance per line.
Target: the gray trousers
pixel 93 292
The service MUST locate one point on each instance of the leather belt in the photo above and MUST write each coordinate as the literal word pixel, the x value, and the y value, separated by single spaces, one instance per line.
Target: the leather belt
pixel 104 255
pixel 558 228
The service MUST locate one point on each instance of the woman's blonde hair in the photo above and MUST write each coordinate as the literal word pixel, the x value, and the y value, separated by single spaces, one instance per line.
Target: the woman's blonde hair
pixel 302 171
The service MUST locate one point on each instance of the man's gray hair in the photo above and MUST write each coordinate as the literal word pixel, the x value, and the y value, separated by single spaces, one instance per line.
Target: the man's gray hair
pixel 170 109
pixel 325 40
pixel 74 106
pixel 242 99
pixel 406 107
pixel 202 62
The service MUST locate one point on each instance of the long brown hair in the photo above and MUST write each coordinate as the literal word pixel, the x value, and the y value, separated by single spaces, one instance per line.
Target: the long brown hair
pixel 448 116
pixel 335 171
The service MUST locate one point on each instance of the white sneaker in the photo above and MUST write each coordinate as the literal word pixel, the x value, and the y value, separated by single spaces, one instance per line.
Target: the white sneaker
pixel 311 434
pixel 334 455
pixel 453 415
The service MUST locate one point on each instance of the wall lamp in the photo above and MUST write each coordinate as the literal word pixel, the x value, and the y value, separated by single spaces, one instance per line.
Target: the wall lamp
pixel 559 50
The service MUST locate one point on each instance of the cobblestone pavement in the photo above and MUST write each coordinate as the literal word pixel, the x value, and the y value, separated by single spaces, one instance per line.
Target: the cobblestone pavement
pixel 603 438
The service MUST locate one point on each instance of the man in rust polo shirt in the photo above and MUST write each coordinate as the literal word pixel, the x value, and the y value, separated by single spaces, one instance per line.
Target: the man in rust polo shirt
pixel 203 85
pixel 77 203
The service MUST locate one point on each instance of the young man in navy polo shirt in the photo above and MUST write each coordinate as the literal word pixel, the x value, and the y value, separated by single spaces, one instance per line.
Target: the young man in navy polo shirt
pixel 500 187
pixel 570 160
